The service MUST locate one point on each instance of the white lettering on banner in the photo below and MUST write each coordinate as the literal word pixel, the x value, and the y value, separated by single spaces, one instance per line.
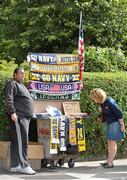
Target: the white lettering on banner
pixel 47 58
pixel 63 134
pixel 66 87
pixel 35 67
pixel 62 128
pixel 62 142
pixel 33 57
pixel 46 77
pixel 43 87
pixel 69 59
pixel 40 58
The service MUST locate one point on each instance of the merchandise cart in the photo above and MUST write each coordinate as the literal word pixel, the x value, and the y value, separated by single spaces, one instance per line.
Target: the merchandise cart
pixel 55 80
pixel 57 157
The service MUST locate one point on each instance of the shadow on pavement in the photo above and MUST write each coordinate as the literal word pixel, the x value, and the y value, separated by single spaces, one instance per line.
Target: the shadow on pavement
pixel 119 172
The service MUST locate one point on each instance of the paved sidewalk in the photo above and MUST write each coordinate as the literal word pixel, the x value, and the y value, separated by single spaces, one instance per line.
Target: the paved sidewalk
pixel 90 170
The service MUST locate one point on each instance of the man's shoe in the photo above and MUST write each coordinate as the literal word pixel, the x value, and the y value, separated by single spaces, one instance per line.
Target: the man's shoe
pixel 16 169
pixel 28 170
pixel 104 164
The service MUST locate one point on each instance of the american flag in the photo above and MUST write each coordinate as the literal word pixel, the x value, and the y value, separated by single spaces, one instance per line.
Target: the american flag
pixel 81 47
pixel 55 88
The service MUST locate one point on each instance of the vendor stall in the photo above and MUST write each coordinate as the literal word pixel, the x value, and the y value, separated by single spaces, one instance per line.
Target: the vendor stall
pixel 55 87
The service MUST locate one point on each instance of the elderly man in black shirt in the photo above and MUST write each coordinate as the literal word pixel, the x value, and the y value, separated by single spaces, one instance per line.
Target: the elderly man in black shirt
pixel 19 107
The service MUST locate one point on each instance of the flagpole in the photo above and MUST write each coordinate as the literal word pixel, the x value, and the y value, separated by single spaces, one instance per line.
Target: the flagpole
pixel 80 22
pixel 81 47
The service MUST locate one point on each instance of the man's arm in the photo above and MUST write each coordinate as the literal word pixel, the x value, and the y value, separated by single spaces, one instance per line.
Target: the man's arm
pixel 10 93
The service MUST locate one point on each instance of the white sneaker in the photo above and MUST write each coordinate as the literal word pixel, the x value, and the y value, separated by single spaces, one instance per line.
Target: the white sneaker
pixel 16 169
pixel 28 170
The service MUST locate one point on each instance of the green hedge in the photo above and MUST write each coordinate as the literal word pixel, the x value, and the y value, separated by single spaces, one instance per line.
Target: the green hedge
pixel 104 59
pixel 113 83
pixel 115 86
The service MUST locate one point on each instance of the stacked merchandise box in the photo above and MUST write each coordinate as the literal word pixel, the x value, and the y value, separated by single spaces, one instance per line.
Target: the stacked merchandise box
pixel 35 154
pixel 54 79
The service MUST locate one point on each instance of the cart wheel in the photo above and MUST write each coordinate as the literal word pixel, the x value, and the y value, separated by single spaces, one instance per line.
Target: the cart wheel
pixel 53 164
pixel 71 163
pixel 44 163
pixel 61 162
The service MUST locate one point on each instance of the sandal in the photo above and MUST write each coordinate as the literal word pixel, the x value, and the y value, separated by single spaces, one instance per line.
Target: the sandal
pixel 109 166
pixel 104 164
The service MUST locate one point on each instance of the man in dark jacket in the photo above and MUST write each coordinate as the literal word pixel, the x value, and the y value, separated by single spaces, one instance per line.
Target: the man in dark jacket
pixel 19 107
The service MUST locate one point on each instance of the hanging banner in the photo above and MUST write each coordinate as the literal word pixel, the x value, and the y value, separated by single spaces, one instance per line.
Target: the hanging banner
pixel 55 69
pixel 54 87
pixel 63 132
pixel 72 130
pixel 50 58
pixel 54 130
pixel 53 148
pixel 38 96
pixel 80 135
pixel 36 76
pixel 54 135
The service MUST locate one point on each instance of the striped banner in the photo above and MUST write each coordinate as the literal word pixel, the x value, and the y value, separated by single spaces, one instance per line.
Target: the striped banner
pixel 50 58
pixel 72 130
pixel 36 76
pixel 54 87
pixel 63 132
pixel 55 69
pixel 54 130
pixel 80 134
pixel 38 96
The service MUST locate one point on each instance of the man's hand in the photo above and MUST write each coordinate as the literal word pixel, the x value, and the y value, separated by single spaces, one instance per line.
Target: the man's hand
pixel 14 117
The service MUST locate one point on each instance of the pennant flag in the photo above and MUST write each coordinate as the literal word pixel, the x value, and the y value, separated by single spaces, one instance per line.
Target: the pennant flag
pixel 81 47
pixel 43 77
pixel 40 96
pixel 63 132
pixel 52 58
pixel 54 88
pixel 80 134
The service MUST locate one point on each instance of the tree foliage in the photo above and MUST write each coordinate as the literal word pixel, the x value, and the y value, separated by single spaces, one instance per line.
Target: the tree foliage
pixel 104 60
pixel 52 26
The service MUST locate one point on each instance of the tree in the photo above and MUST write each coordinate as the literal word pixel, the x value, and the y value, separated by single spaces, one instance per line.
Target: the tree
pixel 52 26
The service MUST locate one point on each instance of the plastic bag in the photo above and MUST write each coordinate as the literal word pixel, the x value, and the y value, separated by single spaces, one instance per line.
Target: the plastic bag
pixel 53 111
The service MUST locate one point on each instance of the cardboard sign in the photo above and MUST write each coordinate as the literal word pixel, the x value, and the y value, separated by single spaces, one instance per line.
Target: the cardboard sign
pixel 71 107
pixel 50 58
